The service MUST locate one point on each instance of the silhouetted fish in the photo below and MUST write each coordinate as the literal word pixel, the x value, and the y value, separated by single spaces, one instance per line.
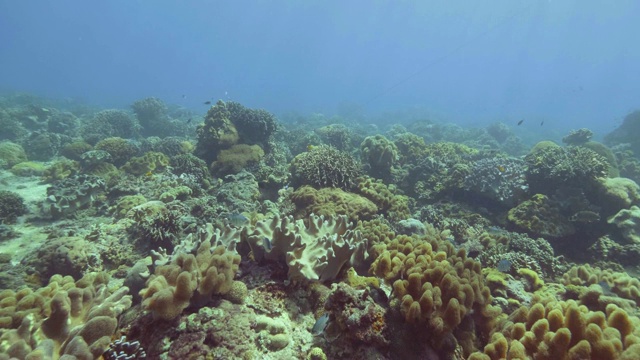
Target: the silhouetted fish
pixel 207 102
pixel 189 121
pixel 542 123
pixel 520 122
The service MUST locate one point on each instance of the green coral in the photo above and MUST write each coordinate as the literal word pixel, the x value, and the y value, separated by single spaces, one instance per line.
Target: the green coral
pixel 177 193
pixel 336 135
pixel 325 166
pixel 120 149
pixel 236 158
pixel 74 150
pixel 11 206
pixel 380 154
pixel 442 169
pixel 255 126
pixel 216 133
pixel 60 170
pixel 28 168
pixel 332 201
pixel 146 164
pixel 602 150
pixel 127 203
pixel 11 154
pixel 390 202
pixel 539 216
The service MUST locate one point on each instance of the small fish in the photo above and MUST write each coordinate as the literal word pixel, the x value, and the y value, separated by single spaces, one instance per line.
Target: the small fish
pixel 501 168
pixel 495 230
pixel 189 121
pixel 148 174
pixel 520 122
pixel 237 219
pixel 184 96
pixel 207 102
pixel 542 123
pixel 310 147
pixel 266 243
pixel 320 325
pixel 585 216
pixel 606 289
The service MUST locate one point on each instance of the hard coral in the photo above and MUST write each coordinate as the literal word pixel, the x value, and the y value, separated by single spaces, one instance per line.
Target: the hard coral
pixel 148 163
pixel 380 154
pixel 325 166
pixel 330 201
pixel 11 154
pixel 120 149
pixel 236 158
pixel 216 133
pixel 11 206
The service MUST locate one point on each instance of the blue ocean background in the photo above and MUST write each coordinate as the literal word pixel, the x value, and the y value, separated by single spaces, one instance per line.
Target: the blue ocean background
pixel 571 63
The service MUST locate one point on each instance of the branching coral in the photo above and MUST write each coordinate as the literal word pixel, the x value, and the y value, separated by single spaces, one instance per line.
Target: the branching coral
pixel 325 166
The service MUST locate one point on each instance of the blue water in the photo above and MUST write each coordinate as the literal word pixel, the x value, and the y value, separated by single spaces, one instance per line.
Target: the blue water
pixel 571 63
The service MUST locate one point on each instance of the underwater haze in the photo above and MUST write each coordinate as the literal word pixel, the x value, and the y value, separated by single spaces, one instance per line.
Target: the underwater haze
pixel 570 63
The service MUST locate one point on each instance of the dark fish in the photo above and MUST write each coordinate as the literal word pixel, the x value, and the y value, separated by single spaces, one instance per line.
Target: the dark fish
pixel 189 121
pixel 320 325
pixel 184 96
pixel 542 123
pixel 207 102
pixel 520 122
pixel 266 243
pixel 378 296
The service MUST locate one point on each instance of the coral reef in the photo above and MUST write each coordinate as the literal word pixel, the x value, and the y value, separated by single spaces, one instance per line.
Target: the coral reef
pixel 216 133
pixel 628 223
pixel 578 137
